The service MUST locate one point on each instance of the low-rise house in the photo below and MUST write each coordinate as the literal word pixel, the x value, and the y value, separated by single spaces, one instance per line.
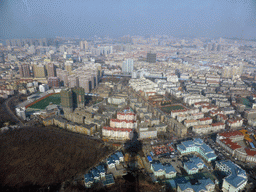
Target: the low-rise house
pixel 206 109
pixel 117 133
pixel 102 171
pixel 222 118
pixel 120 156
pixel 95 174
pixel 154 121
pixel 111 163
pixel 147 133
pixel 200 104
pixel 193 165
pixel 205 121
pixel 202 129
pixel 157 169
pixel 213 113
pixel 88 180
pixel 218 126
pixel 116 159
pixel 190 123
pixel 131 124
pixel 160 170
pixel 234 123
pixel 170 172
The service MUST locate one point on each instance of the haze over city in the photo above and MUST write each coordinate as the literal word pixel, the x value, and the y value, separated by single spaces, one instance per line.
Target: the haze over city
pixel 128 96
pixel 85 19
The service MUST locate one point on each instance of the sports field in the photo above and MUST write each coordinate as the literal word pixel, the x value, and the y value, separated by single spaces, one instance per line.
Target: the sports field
pixel 171 108
pixel 54 99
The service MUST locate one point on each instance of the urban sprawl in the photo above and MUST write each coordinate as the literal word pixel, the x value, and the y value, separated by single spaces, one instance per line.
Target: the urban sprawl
pixel 190 102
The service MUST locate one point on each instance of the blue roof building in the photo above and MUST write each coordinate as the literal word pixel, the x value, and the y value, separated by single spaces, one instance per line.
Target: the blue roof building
pixel 111 162
pixel 194 165
pixel 158 169
pixel 197 145
pixel 120 156
pixel 236 178
pixel 115 158
pixel 102 171
pixel 200 185
pixel 166 170
pixel 170 172
pixel 88 180
pixel 95 174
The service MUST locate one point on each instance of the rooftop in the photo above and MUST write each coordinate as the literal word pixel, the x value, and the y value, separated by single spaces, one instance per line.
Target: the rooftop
pixel 236 175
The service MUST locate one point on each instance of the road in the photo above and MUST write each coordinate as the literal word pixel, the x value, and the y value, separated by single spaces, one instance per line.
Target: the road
pixel 10 112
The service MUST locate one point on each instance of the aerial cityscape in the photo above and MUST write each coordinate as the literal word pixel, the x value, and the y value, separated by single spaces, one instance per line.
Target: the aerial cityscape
pixel 128 111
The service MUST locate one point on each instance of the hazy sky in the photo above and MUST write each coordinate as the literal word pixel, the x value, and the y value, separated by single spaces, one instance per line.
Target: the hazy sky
pixel 86 18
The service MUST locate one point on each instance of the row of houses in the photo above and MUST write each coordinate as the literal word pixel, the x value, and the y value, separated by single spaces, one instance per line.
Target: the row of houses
pixel 130 116
pixel 229 141
pixel 88 129
pixel 204 129
pixel 202 121
pixel 117 133
pixel 192 116
pixel 131 124
pixel 99 173
pixel 175 113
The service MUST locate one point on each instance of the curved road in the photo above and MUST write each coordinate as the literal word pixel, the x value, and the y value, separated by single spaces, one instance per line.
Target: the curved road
pixel 10 112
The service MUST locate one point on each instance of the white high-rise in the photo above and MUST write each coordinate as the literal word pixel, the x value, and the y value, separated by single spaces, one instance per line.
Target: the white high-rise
pixel 127 66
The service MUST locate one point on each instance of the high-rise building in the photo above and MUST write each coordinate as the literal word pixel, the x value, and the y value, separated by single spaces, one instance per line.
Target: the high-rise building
pixel 78 97
pixel 73 81
pixel 53 82
pixel 66 100
pixel 72 98
pixel 51 70
pixel 84 83
pixel 127 66
pixel 24 70
pixel 151 57
pixel 39 71
pixel 63 75
pixel 84 45
pixel 69 66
